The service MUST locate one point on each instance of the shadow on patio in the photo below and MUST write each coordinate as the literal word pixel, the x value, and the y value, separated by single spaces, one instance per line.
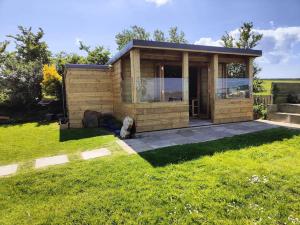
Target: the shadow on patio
pixel 182 153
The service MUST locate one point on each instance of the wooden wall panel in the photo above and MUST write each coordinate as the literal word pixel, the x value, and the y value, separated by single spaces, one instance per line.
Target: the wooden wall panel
pixel 126 80
pixel 121 109
pixel 87 89
pixel 204 91
pixel 160 55
pixel 147 69
pixel 213 75
pixel 185 76
pixel 233 110
pixel 161 115
pixel 135 68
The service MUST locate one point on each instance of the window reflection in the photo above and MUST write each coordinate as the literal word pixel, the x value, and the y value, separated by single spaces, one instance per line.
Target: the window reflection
pixel 233 81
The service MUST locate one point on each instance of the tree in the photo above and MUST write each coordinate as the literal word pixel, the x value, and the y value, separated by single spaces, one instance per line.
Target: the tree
pixel 21 70
pixel 3 56
pixel 30 46
pixel 175 36
pixel 227 40
pixel 3 46
pixel 159 35
pixel 63 58
pixel 135 32
pixel 98 55
pixel 247 39
pixel 22 82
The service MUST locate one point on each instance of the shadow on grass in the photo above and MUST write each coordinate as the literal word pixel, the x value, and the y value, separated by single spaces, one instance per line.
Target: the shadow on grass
pixel 182 153
pixel 22 123
pixel 81 133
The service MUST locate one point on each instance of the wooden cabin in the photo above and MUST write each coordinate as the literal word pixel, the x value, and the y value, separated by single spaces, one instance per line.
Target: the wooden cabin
pixel 165 85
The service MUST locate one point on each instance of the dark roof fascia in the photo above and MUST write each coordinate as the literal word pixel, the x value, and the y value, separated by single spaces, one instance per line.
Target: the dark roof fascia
pixel 122 52
pixel 183 47
pixel 86 66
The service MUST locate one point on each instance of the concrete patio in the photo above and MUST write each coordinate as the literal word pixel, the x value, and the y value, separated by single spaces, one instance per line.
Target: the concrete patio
pixel 159 139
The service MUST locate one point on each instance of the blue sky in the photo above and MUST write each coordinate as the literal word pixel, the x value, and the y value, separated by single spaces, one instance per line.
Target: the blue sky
pixel 203 21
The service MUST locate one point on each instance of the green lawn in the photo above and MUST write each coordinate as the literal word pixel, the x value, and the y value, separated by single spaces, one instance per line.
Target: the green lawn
pixel 247 179
pixel 267 84
pixel 28 141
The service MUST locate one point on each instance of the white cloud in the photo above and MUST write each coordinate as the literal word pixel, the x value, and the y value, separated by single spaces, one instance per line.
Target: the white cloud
pixel 159 3
pixel 277 43
pixel 208 41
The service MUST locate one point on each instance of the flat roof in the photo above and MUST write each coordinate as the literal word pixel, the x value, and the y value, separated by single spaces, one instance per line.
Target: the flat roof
pixel 182 47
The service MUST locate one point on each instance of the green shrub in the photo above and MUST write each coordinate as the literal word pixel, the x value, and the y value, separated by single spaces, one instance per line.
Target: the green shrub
pixel 260 111
pixel 292 98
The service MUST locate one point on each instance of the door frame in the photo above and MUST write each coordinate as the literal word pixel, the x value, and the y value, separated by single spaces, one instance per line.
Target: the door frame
pixel 198 91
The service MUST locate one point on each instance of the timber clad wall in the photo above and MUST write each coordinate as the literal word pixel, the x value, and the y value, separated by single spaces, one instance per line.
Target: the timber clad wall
pixel 148 116
pixel 87 89
pixel 233 110
pixel 161 115
pixel 106 90
pixel 120 108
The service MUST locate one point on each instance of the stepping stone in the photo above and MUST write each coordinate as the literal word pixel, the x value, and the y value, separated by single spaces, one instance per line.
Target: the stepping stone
pixel 8 170
pixel 48 161
pixel 95 153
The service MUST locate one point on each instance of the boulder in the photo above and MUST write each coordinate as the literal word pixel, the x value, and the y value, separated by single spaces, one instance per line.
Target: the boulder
pixel 91 119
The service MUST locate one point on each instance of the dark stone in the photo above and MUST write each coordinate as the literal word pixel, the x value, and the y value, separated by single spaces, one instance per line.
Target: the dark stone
pixel 91 119
pixel 49 116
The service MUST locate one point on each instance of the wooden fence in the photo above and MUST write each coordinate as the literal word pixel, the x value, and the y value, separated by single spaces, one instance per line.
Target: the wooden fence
pixel 263 99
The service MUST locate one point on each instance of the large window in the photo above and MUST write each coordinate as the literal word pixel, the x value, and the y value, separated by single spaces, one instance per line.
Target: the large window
pixel 160 83
pixel 233 81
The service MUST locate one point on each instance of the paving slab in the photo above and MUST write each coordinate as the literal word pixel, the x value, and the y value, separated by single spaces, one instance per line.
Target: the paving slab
pixel 137 145
pixel 162 144
pixel 159 139
pixel 95 153
pixel 281 124
pixel 49 161
pixel 184 140
pixel 185 133
pixel 125 147
pixel 8 170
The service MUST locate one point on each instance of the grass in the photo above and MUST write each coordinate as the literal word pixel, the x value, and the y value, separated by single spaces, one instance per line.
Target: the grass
pixel 28 141
pixel 205 183
pixel 267 84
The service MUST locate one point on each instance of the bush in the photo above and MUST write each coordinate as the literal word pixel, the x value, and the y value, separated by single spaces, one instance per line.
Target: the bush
pixel 292 98
pixel 51 84
pixel 260 111
pixel 22 83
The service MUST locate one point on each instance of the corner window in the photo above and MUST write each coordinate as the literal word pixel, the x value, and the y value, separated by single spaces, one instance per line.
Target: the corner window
pixel 233 81
pixel 160 83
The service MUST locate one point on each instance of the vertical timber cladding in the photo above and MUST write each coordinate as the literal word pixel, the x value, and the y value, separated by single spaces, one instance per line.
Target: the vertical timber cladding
pixel 87 89
pixel 234 110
